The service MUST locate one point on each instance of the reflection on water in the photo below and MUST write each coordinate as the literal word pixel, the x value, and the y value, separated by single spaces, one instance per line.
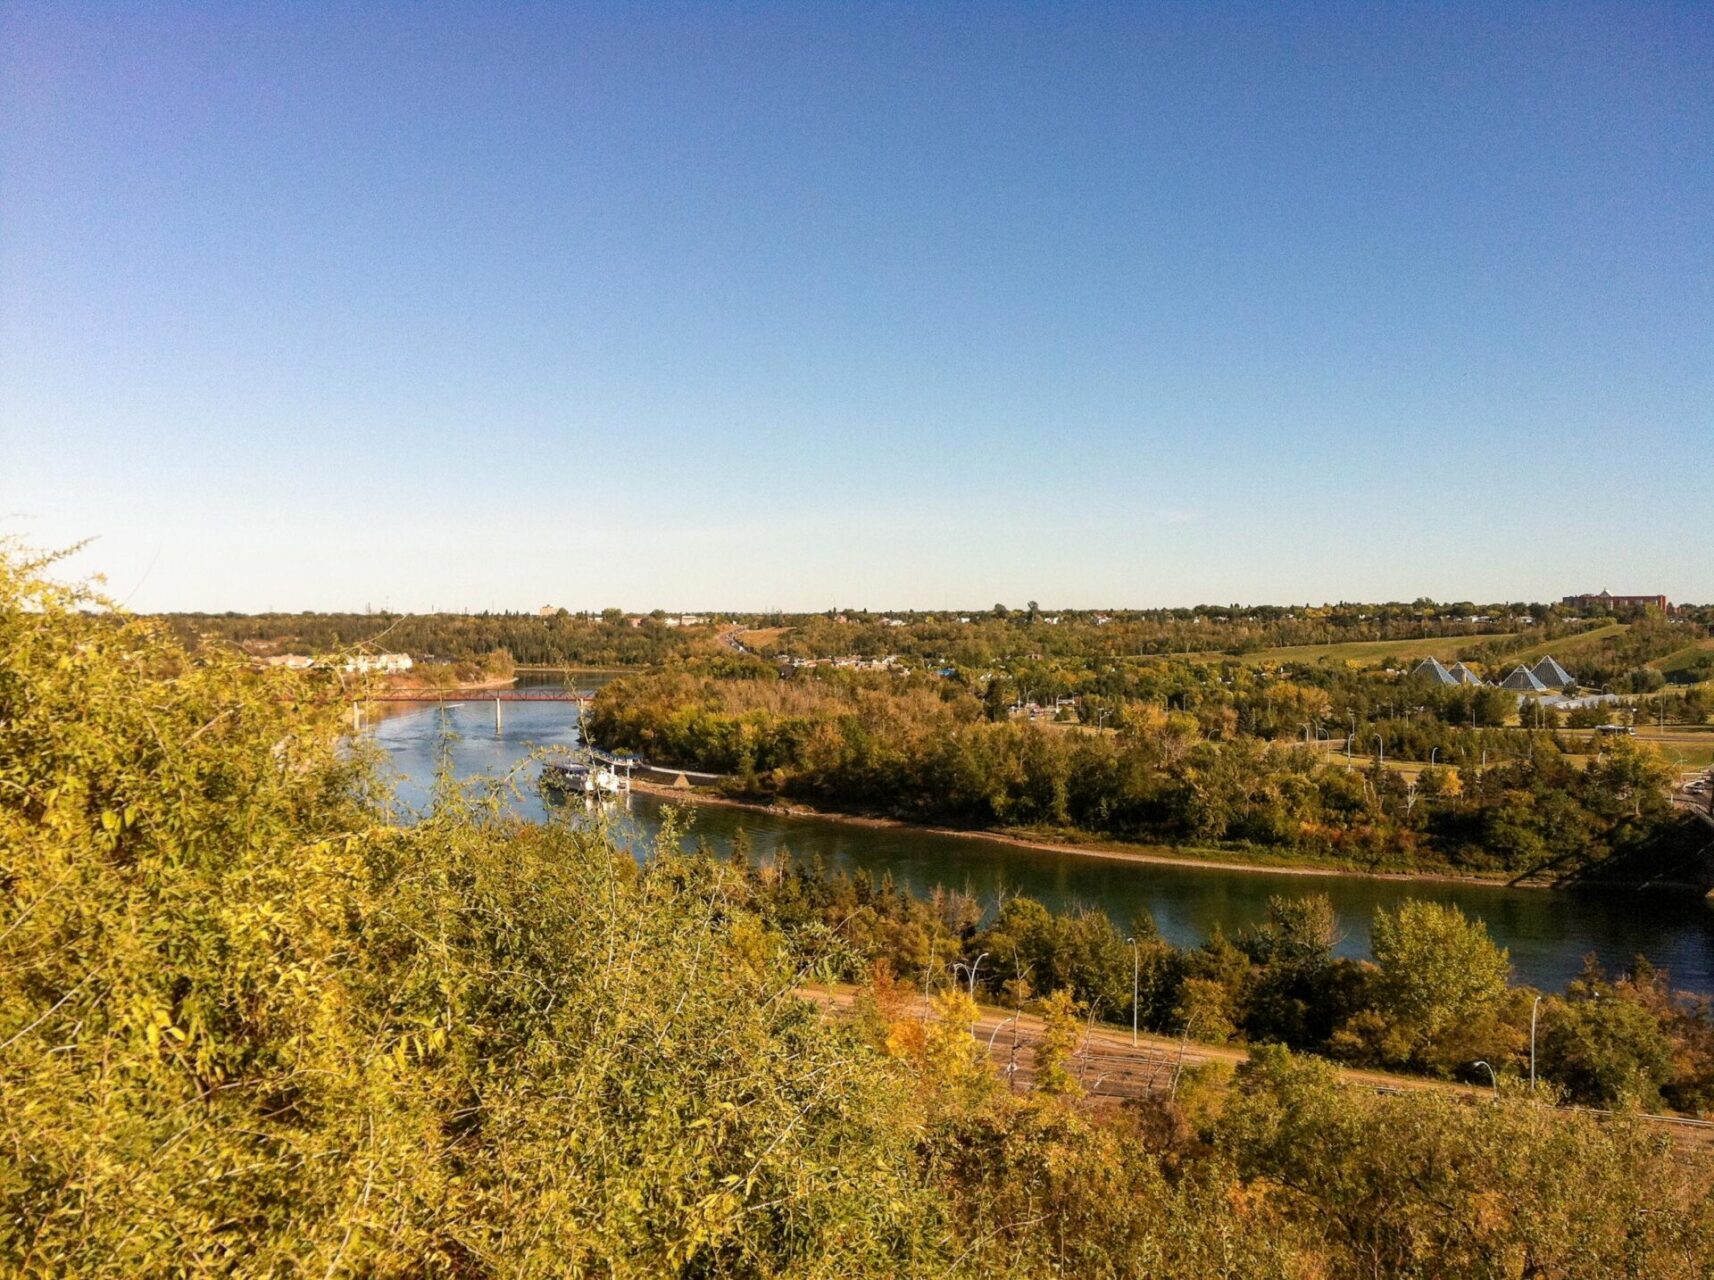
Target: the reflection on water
pixel 1547 933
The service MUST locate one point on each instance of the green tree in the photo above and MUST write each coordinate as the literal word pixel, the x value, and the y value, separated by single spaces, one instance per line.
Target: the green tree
pixel 249 1023
pixel 1439 981
pixel 1604 1045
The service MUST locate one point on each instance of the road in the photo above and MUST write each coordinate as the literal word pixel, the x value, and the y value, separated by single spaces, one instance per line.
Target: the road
pixel 1110 1067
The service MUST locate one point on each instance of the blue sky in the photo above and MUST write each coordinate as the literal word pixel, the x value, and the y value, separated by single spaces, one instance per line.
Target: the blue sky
pixel 323 306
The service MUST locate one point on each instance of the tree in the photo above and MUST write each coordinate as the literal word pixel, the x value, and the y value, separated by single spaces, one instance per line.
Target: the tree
pixel 1427 1186
pixel 1062 1031
pixel 1439 980
pixel 1604 1045
pixel 247 1023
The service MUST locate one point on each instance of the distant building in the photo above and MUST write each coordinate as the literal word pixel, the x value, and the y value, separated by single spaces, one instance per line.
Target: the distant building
pixel 383 663
pixel 1551 674
pixel 546 611
pixel 1606 600
pixel 291 661
pixel 1464 675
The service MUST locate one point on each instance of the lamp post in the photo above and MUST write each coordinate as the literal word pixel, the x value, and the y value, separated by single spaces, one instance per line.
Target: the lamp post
pixel 1136 971
pixel 1491 1076
pixel 1432 752
pixel 1381 745
pixel 1535 1007
pixel 971 970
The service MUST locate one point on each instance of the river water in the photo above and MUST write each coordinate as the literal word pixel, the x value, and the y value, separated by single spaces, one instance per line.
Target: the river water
pixel 1547 933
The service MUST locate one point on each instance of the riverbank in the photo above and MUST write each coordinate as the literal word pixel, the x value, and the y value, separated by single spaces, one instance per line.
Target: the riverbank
pixel 538 669
pixel 439 690
pixel 1161 855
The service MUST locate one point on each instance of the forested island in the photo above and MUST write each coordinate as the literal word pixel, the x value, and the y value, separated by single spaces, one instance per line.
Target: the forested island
pixel 252 1019
pixel 1198 755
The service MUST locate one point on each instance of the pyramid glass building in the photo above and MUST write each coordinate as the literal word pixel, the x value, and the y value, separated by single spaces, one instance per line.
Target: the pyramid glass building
pixel 1523 680
pixel 1430 669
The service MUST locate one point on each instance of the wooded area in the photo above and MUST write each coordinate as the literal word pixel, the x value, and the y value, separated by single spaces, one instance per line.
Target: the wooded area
pixel 249 1023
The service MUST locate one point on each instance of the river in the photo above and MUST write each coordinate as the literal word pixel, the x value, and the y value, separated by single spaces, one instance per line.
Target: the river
pixel 1547 933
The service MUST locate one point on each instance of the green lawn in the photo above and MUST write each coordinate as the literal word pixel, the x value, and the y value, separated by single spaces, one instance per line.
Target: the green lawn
pixel 1445 648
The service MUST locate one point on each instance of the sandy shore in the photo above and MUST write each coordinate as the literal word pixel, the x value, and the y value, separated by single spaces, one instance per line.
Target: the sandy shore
pixel 1112 852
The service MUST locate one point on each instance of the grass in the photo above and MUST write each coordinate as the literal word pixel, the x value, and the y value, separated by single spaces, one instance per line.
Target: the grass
pixel 1686 746
pixel 1684 657
pixel 1445 648
pixel 762 638
pixel 1566 648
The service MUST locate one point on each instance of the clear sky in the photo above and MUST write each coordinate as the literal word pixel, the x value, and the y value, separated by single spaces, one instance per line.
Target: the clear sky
pixel 492 306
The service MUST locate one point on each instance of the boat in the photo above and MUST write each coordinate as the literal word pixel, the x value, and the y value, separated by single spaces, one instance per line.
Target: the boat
pixel 568 779
pixel 581 778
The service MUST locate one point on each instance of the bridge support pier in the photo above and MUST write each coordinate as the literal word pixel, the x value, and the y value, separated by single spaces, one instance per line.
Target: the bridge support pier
pixel 497 725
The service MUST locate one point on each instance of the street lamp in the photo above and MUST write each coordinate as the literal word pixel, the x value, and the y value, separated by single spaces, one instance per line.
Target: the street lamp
pixel 971 970
pixel 1491 1076
pixel 1534 1009
pixel 1432 752
pixel 1136 970
pixel 1381 744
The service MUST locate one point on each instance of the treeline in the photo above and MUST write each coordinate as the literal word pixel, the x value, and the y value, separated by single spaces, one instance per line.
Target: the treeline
pixel 1436 998
pixel 1001 635
pixel 924 750
pixel 251 1024
pixel 562 639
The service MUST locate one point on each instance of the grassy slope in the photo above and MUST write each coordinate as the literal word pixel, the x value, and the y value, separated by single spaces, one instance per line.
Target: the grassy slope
pixel 1445 648
pixel 1566 648
pixel 1685 656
